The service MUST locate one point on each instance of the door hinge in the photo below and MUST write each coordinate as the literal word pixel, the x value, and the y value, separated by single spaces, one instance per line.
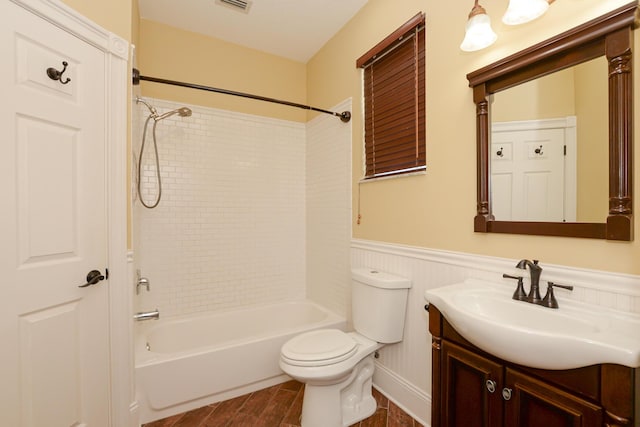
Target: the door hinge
pixel 565 150
pixel 106 273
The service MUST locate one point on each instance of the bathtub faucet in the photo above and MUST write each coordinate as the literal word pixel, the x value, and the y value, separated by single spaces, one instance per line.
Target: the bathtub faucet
pixel 148 315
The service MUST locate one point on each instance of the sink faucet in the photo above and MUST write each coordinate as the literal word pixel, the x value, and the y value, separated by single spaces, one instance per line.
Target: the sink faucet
pixel 534 271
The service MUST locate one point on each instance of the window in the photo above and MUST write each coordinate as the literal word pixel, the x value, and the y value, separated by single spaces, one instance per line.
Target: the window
pixel 394 102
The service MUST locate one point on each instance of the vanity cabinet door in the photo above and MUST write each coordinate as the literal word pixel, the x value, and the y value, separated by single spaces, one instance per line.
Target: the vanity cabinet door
pixel 471 387
pixel 533 403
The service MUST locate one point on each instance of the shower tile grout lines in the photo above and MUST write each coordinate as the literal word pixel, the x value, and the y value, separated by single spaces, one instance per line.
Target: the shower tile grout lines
pixel 276 406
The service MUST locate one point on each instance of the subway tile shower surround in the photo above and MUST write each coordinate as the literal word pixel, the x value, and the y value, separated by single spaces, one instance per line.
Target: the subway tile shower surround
pixel 230 228
pixel 251 209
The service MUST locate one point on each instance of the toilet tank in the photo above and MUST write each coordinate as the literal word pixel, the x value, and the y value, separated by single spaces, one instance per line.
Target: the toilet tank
pixel 379 304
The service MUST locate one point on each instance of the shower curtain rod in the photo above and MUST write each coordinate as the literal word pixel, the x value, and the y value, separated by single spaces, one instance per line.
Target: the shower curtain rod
pixel 345 116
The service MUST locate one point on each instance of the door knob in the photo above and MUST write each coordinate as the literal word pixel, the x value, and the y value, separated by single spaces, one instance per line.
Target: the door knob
pixel 93 277
pixel 491 386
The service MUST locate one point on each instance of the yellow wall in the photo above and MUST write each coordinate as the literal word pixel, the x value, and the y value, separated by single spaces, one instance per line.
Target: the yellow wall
pixel 436 210
pixel 548 97
pixel 170 53
pixel 135 23
pixel 593 156
pixel 120 17
pixel 113 15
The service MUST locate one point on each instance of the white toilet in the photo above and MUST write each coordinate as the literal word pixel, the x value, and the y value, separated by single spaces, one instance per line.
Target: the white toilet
pixel 337 367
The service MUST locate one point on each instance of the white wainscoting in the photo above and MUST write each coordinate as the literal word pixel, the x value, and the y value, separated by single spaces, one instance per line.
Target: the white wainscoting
pixel 403 370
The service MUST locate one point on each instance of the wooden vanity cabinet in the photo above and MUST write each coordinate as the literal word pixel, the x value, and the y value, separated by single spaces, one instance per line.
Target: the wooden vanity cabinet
pixel 472 388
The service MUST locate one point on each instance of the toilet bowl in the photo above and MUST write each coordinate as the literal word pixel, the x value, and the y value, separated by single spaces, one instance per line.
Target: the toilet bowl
pixel 337 367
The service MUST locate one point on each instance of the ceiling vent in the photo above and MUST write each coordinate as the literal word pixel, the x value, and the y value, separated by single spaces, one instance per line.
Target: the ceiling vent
pixel 239 5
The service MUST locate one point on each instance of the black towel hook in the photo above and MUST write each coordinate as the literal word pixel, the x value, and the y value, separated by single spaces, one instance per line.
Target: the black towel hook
pixel 57 75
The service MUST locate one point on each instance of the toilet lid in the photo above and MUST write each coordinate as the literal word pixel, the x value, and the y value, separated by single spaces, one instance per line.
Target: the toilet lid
pixel 319 348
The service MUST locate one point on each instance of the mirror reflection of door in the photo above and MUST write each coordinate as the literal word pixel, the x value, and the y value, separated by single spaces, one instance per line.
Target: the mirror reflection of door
pixel 579 92
pixel 533 170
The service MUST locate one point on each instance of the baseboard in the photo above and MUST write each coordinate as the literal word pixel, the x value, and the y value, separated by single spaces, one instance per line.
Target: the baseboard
pixel 405 395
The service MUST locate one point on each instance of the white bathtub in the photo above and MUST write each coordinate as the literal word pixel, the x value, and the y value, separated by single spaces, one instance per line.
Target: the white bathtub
pixel 187 363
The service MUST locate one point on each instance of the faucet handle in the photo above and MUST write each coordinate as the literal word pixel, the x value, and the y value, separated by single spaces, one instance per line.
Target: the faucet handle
pixel 557 285
pixel 549 299
pixel 519 294
pixel 142 282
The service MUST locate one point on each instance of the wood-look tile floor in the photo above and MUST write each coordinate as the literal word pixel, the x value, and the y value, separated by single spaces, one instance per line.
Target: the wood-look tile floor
pixel 277 406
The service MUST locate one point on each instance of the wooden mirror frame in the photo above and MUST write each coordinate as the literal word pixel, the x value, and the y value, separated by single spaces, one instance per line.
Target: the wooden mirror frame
pixel 610 35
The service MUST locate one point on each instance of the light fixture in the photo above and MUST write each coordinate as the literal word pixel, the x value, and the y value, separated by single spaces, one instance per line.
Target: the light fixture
pixel 522 11
pixel 478 31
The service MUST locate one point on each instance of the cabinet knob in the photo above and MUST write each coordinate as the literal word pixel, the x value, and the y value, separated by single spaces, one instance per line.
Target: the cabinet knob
pixel 491 386
pixel 506 393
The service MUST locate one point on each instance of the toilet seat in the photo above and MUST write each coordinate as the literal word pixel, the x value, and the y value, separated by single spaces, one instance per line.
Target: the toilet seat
pixel 319 348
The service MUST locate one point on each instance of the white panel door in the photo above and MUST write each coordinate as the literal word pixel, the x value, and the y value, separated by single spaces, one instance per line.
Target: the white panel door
pixel 54 362
pixel 527 175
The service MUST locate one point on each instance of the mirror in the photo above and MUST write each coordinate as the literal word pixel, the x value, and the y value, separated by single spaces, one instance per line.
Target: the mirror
pixel 547 158
pixel 512 92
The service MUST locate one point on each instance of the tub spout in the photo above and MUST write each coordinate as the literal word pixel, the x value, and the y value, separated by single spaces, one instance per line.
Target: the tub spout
pixel 147 315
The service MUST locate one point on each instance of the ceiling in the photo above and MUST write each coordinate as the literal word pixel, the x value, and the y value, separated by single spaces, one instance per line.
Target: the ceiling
pixel 293 29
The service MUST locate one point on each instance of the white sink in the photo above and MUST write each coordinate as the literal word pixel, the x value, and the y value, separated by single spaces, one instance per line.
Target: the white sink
pixel 572 336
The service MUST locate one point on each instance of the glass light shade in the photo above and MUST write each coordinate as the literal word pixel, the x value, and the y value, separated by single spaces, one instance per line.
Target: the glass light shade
pixel 521 11
pixel 478 34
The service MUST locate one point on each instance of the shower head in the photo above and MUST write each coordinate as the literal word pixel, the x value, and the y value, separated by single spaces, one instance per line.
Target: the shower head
pixel 182 112
pixel 152 110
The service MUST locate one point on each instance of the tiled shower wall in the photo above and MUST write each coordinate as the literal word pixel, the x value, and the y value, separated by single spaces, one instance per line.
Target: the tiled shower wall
pixel 329 211
pixel 230 228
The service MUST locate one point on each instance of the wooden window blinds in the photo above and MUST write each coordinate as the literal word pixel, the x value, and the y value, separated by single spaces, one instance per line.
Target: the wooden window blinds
pixel 394 102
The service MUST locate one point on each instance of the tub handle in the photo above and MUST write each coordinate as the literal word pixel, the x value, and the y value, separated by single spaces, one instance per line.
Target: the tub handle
pixel 142 282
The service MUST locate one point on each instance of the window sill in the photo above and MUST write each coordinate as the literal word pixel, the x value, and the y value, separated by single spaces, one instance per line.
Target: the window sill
pixel 423 171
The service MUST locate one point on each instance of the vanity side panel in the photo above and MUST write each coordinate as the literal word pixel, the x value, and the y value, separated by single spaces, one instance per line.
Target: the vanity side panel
pixel 636 397
pixel 618 395
pixel 435 328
